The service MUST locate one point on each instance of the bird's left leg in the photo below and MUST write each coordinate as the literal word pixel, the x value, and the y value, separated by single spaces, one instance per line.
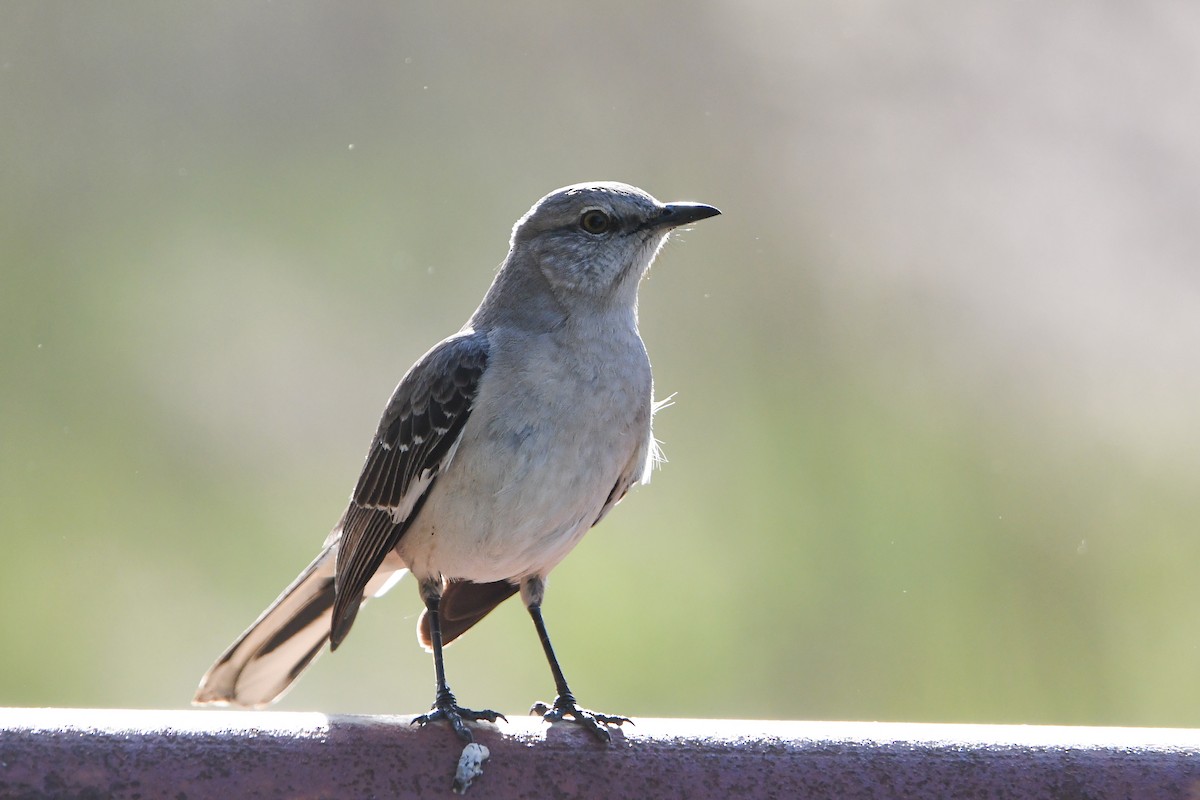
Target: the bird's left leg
pixel 565 707
pixel 445 707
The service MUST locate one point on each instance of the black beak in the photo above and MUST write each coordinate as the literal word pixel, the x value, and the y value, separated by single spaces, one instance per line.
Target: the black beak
pixel 675 214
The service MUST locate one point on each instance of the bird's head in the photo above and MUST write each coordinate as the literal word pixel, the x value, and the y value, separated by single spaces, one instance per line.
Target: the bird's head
pixel 592 242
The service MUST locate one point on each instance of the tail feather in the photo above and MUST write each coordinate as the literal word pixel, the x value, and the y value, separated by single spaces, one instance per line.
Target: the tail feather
pixel 271 654
pixel 463 604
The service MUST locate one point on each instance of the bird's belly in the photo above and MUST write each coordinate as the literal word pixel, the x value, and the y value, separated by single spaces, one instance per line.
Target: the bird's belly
pixel 518 496
pixel 490 536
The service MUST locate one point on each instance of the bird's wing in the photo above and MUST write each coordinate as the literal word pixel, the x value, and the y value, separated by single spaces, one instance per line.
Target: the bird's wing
pixel 621 488
pixel 637 470
pixel 416 440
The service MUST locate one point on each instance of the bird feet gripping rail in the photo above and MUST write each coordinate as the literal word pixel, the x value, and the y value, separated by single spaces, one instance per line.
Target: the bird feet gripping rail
pixel 447 709
pixel 565 709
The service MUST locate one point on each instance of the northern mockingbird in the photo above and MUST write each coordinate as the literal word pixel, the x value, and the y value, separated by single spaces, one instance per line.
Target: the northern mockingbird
pixel 497 452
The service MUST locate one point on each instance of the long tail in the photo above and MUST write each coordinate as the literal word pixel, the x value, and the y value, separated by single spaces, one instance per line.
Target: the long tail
pixel 265 660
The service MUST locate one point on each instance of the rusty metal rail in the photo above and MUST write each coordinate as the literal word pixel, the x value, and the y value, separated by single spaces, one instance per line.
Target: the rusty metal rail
pixel 74 753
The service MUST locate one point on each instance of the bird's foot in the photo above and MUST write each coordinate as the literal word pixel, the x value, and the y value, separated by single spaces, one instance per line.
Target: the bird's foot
pixel 566 709
pixel 446 709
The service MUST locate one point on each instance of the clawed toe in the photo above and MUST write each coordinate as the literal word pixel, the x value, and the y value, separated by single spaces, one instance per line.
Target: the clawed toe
pixel 565 710
pixel 458 717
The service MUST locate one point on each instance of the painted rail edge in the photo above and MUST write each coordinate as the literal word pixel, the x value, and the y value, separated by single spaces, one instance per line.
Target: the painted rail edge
pixel 186 755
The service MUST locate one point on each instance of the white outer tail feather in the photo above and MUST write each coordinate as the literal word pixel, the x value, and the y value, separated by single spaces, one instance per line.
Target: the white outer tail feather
pixel 249 674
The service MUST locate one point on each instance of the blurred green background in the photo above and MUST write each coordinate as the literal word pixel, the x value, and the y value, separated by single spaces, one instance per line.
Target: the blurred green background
pixel 935 452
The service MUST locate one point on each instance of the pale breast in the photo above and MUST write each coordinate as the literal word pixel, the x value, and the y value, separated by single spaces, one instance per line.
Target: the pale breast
pixel 557 424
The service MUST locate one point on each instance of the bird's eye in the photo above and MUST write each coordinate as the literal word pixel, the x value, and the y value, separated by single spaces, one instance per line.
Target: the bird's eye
pixel 595 222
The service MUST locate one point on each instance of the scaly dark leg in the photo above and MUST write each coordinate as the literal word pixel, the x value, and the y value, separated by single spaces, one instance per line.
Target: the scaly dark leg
pixel 445 707
pixel 565 706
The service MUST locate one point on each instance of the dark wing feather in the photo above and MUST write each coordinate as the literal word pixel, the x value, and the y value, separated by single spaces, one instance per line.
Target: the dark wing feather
pixel 419 430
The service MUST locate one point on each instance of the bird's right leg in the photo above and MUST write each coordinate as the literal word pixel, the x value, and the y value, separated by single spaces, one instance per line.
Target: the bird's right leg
pixel 445 707
pixel 565 707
